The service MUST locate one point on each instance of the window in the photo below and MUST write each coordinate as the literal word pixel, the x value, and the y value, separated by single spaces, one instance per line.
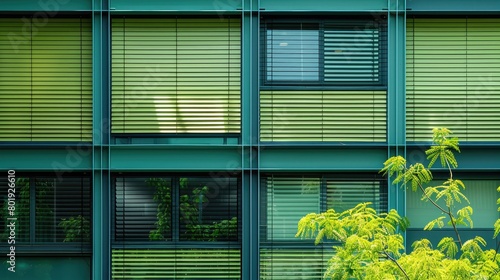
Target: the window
pixel 323 52
pixel 193 222
pixel 50 210
pixel 453 77
pixel 286 199
pixel 323 80
pixel 46 79
pixel 176 75
pixel 482 196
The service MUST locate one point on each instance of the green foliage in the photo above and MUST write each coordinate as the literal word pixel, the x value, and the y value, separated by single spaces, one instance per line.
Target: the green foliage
pixel 370 245
pixel 190 206
pixel 162 196
pixel 76 229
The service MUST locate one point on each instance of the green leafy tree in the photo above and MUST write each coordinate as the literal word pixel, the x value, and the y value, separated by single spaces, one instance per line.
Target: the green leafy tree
pixel 371 246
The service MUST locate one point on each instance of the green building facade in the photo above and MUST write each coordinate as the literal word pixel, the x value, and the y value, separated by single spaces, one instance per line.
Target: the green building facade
pixel 185 139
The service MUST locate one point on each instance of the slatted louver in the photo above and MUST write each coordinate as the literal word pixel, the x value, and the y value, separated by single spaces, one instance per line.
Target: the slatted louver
pixel 343 195
pixel 45 80
pixel 351 53
pixel 481 194
pixel 288 199
pixel 176 76
pixel 345 116
pixel 453 72
pixel 299 263
pixel 136 209
pixel 176 264
pixel 62 211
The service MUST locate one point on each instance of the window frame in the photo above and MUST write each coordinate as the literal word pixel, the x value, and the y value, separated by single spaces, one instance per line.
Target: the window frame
pixel 380 24
pixel 324 179
pixel 176 225
pixel 34 247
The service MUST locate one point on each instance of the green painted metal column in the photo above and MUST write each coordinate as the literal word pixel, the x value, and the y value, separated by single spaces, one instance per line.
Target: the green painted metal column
pixel 101 249
pixel 250 140
pixel 396 112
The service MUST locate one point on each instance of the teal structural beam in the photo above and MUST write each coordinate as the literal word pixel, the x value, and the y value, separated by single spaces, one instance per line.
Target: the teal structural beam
pixel 101 220
pixel 453 6
pixel 250 139
pixel 324 5
pixel 45 8
pixel 396 87
pixel 469 158
pixel 189 158
pixel 56 159
pixel 322 159
pixel 220 6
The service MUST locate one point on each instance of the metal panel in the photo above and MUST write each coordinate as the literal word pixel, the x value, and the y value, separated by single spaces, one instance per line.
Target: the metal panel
pixel 188 158
pixel 324 5
pixel 187 5
pixel 62 160
pixel 469 6
pixel 46 8
pixel 325 158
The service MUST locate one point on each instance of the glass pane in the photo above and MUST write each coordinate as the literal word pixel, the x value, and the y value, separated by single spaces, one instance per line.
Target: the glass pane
pixel 288 200
pixel 143 209
pixel 208 209
pixel 482 195
pixel 343 195
pixel 20 213
pixel 293 53
pixel 62 210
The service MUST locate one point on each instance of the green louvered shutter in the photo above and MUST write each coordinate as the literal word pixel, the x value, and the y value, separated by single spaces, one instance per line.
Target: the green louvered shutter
pixel 176 75
pixel 345 116
pixel 176 264
pixel 343 195
pixel 294 263
pixel 351 52
pixel 287 200
pixel 453 75
pixel 45 80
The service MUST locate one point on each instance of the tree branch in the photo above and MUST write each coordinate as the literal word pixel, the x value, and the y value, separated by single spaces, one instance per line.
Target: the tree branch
pixel 454 226
pixel 396 262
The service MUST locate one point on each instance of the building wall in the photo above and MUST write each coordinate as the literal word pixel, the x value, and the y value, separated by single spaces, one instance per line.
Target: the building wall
pixel 234 118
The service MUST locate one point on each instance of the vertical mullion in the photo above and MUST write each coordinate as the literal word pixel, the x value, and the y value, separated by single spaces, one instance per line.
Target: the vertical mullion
pixel 321 50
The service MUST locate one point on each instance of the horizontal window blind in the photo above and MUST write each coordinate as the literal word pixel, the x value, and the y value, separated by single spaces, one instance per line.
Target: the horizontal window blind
pixel 45 80
pixel 351 52
pixel 482 196
pixel 453 77
pixel 137 209
pixel 345 116
pixel 176 75
pixel 343 195
pixel 62 210
pixel 285 264
pixel 287 200
pixel 176 264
